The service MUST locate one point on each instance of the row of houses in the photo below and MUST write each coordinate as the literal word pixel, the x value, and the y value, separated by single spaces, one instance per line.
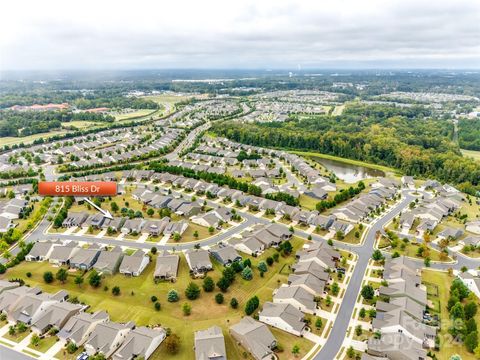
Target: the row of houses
pixel 43 311
pixel 361 208
pixel 11 210
pixel 430 213
pixel 401 317
pixel 152 227
pixel 104 260
pixel 261 237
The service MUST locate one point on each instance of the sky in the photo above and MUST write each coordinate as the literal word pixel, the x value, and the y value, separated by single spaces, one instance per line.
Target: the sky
pixel 242 34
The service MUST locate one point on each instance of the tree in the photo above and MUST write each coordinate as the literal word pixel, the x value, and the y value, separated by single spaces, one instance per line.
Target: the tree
pixel 79 280
pixel 269 261
pixel 114 207
pixel 295 350
pixel 116 290
pixel 247 273
pixel 358 330
pixel 234 303
pixel 457 311
pixel 48 277
pixel 157 306
pixel 208 284
pixel 61 275
pixel 172 343
pixel 229 274
pixel 192 291
pixel 150 212
pixel 335 288
pixel 368 292
pixel 471 341
pixel 35 340
pixel 262 266
pixel 176 237
pixel 350 352
pixel 223 284
pixel 287 247
pixel 195 234
pixel 94 279
pixel 470 310
pixel 247 262
pixel 377 255
pixel 318 323
pixel 211 229
pixel 153 250
pixel 252 305
pixel 153 298
pixel 219 298
pixel 173 296
pixel 362 313
pixel 187 309
pixel 71 347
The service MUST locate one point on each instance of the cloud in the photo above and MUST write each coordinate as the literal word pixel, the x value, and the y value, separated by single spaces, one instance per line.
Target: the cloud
pixel 106 34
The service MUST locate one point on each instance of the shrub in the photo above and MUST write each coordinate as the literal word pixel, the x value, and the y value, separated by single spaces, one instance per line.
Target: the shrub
pixel 48 277
pixel 116 290
pixel 192 291
pixel 234 303
pixel 157 306
pixel 219 298
pixel 172 296
pixel 208 284
pixel 187 309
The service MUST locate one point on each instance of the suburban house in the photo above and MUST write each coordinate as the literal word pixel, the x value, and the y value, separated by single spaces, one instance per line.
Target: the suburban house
pixel 84 259
pixel 62 254
pixel 225 254
pixel 396 346
pixel 141 342
pixel 255 337
pixel 41 250
pixel 198 261
pixel 473 226
pixel 210 344
pixel 166 267
pixel 134 264
pixel 108 262
pixel 55 316
pixel 284 317
pixel 75 219
pixel 79 327
pixel 155 227
pixel 296 296
pixel 107 337
pixel 132 226
pixel 250 245
pixel 309 282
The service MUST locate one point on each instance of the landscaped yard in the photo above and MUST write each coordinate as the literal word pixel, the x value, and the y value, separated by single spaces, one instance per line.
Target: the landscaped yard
pixel 439 283
pixel 187 236
pixel 45 343
pixel 134 301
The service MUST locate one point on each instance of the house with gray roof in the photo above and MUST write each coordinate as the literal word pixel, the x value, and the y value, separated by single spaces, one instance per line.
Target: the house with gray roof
pixel 225 254
pixel 62 254
pixel 41 250
pixel 296 296
pixel 166 267
pixel 115 224
pixel 450 233
pixel 251 245
pixel 108 262
pixel 321 253
pixel 133 226
pixel 396 346
pixel 55 316
pixel 9 298
pixel 284 317
pixel 141 342
pixel 84 259
pixel 75 219
pixel 416 292
pixel 155 227
pixel 255 337
pixel 107 337
pixel 134 264
pixel 309 282
pixel 209 344
pixel 8 285
pixel 79 327
pixel 198 261
pixel 313 268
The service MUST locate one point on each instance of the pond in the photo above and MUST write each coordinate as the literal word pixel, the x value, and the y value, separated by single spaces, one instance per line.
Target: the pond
pixel 348 172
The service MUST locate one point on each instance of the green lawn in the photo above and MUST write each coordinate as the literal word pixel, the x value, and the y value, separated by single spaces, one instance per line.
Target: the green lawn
pixel 44 344
pixel 442 281
pixel 187 236
pixel 134 301
pixel 308 202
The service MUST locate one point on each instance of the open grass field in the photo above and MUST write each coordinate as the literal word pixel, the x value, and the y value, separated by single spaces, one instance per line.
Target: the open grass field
pixel 81 124
pixel 411 249
pixel 139 114
pixel 442 282
pixel 10 140
pixel 472 154
pixel 134 301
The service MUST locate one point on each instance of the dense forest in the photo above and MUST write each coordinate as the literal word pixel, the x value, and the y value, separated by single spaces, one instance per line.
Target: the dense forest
pixel 402 138
pixel 469 134
pixel 24 123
